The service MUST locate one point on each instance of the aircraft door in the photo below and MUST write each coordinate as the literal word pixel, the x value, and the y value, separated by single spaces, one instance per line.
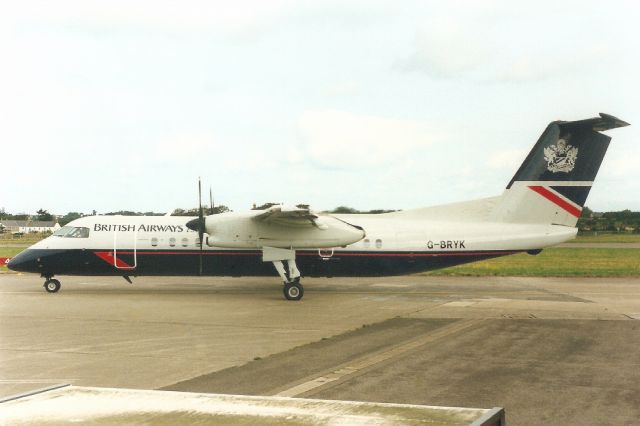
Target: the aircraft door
pixel 125 249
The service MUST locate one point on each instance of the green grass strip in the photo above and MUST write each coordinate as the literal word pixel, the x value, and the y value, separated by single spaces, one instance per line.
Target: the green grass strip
pixel 607 238
pixel 555 262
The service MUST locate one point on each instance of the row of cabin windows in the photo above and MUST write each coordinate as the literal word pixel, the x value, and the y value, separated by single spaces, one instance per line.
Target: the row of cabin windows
pixel 184 242
pixel 367 243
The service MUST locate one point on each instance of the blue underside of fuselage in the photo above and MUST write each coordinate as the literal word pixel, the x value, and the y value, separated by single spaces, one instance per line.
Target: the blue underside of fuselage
pixel 237 262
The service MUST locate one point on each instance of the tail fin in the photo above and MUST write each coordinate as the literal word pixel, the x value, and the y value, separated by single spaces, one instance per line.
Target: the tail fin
pixel 552 184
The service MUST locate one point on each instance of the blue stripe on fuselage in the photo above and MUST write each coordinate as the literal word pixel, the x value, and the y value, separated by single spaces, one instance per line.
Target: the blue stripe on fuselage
pixel 241 262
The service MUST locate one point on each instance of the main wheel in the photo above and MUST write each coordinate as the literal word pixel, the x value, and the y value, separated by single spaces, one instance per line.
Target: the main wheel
pixel 293 291
pixel 52 286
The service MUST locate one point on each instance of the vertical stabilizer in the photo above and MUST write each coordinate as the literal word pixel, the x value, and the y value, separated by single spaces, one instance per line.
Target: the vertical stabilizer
pixel 552 184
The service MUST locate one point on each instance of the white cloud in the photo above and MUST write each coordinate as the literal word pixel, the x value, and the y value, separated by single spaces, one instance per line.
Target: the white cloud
pixel 445 48
pixel 340 139
pixel 503 43
pixel 163 15
pixel 188 146
pixel 534 67
pixel 506 159
pixel 342 89
pixel 621 161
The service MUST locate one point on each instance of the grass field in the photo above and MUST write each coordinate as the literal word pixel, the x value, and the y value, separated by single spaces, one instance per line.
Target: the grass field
pixel 607 238
pixel 26 239
pixel 8 252
pixel 556 262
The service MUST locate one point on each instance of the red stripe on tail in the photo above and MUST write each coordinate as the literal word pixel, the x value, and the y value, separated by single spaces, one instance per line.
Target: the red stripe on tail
pixel 569 208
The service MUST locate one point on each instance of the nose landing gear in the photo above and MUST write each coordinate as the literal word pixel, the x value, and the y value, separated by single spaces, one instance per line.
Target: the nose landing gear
pixel 51 285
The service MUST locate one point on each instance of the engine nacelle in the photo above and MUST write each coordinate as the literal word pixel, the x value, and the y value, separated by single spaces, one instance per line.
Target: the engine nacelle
pixel 242 230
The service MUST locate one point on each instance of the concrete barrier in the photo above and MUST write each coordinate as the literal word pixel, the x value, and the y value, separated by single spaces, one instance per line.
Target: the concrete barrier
pixel 63 403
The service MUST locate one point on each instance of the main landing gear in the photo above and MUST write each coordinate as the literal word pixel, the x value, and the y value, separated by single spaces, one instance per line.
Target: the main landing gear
pixel 51 285
pixel 292 290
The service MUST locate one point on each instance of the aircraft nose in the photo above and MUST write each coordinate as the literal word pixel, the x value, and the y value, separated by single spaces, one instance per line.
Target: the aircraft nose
pixel 24 261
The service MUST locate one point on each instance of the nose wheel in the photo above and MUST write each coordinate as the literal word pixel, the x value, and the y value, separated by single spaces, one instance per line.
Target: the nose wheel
pixel 52 285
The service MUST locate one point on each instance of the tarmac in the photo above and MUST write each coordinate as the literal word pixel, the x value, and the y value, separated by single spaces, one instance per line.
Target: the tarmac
pixel 548 350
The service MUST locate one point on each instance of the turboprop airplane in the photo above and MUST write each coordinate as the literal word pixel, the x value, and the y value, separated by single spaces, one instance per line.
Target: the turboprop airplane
pixel 539 208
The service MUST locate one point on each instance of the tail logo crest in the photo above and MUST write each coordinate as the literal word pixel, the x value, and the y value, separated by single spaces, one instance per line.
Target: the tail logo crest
pixel 561 157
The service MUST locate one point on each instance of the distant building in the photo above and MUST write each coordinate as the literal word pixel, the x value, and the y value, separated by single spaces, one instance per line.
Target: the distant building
pixel 27 226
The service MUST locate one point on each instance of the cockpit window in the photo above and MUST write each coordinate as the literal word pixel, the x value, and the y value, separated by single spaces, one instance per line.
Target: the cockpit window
pixel 72 232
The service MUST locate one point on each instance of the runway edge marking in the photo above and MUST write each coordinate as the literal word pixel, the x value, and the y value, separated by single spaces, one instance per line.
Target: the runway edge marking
pixel 358 366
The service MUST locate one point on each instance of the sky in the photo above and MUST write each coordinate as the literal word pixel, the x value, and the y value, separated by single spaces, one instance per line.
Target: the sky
pixel 122 105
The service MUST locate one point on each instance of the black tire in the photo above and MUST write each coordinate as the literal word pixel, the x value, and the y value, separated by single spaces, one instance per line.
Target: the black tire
pixel 52 286
pixel 293 291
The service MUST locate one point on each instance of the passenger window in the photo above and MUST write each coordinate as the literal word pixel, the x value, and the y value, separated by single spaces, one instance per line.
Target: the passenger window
pixel 197 242
pixel 172 242
pixel 154 242
pixel 378 243
pixel 185 242
pixel 366 243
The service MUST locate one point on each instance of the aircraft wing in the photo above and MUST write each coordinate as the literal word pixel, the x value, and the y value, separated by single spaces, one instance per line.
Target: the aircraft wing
pixel 289 216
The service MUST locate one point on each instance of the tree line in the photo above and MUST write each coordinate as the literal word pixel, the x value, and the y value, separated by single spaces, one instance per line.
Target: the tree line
pixel 620 221
pixel 590 221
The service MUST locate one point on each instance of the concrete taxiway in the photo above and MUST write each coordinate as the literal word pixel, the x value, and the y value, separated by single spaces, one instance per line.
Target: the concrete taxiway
pixel 550 350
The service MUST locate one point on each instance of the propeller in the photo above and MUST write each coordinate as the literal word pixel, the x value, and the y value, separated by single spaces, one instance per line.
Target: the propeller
pixel 211 211
pixel 199 224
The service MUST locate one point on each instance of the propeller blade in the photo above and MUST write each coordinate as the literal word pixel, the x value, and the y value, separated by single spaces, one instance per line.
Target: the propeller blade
pixel 211 211
pixel 200 222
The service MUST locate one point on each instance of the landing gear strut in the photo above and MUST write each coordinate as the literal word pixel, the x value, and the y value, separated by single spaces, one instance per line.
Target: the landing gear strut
pixel 292 290
pixel 51 285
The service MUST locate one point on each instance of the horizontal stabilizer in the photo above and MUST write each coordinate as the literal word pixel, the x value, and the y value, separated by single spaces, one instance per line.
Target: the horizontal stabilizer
pixel 598 124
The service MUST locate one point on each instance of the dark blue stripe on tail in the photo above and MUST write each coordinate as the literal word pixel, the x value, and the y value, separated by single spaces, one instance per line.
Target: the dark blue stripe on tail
pixel 577 194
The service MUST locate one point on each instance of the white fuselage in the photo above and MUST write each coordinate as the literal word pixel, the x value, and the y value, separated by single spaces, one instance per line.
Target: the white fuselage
pixel 384 232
